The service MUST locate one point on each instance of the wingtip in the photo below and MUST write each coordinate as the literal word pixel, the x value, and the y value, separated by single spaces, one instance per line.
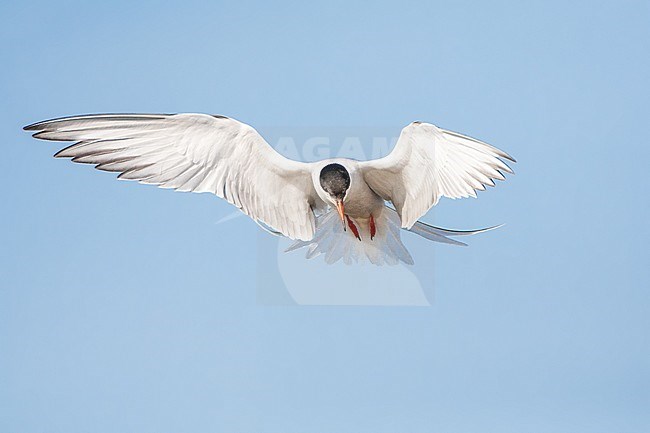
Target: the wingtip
pixel 507 168
pixel 508 156
pixel 31 127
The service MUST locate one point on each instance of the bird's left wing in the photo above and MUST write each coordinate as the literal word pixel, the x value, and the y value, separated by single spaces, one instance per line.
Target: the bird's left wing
pixel 194 152
pixel 429 162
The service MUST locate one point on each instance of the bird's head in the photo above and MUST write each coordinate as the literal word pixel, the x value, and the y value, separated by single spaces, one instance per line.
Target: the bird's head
pixel 335 181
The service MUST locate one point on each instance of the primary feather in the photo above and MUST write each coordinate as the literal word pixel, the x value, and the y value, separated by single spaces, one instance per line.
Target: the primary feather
pixel 194 152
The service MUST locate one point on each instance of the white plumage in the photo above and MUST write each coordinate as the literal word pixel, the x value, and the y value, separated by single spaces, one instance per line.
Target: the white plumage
pixel 428 163
pixel 204 153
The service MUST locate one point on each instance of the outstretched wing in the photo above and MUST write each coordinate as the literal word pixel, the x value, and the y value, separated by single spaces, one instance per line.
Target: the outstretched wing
pixel 194 152
pixel 428 163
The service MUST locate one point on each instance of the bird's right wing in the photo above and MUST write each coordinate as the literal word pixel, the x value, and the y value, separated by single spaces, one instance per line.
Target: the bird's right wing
pixel 194 152
pixel 428 163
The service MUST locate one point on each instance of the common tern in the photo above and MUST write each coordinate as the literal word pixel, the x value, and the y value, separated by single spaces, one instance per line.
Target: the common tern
pixel 342 208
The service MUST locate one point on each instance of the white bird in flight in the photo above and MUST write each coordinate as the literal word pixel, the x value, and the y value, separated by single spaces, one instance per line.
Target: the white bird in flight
pixel 336 207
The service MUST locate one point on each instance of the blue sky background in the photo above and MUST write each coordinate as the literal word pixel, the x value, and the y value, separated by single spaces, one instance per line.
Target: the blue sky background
pixel 124 308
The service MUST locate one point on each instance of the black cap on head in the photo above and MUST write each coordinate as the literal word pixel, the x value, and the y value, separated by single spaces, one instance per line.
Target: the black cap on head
pixel 335 180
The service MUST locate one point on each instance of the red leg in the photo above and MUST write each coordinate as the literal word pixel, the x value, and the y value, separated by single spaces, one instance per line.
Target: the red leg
pixel 354 228
pixel 373 229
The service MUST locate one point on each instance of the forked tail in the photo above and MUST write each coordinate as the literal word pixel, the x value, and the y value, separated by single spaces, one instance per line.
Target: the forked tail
pixel 386 248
